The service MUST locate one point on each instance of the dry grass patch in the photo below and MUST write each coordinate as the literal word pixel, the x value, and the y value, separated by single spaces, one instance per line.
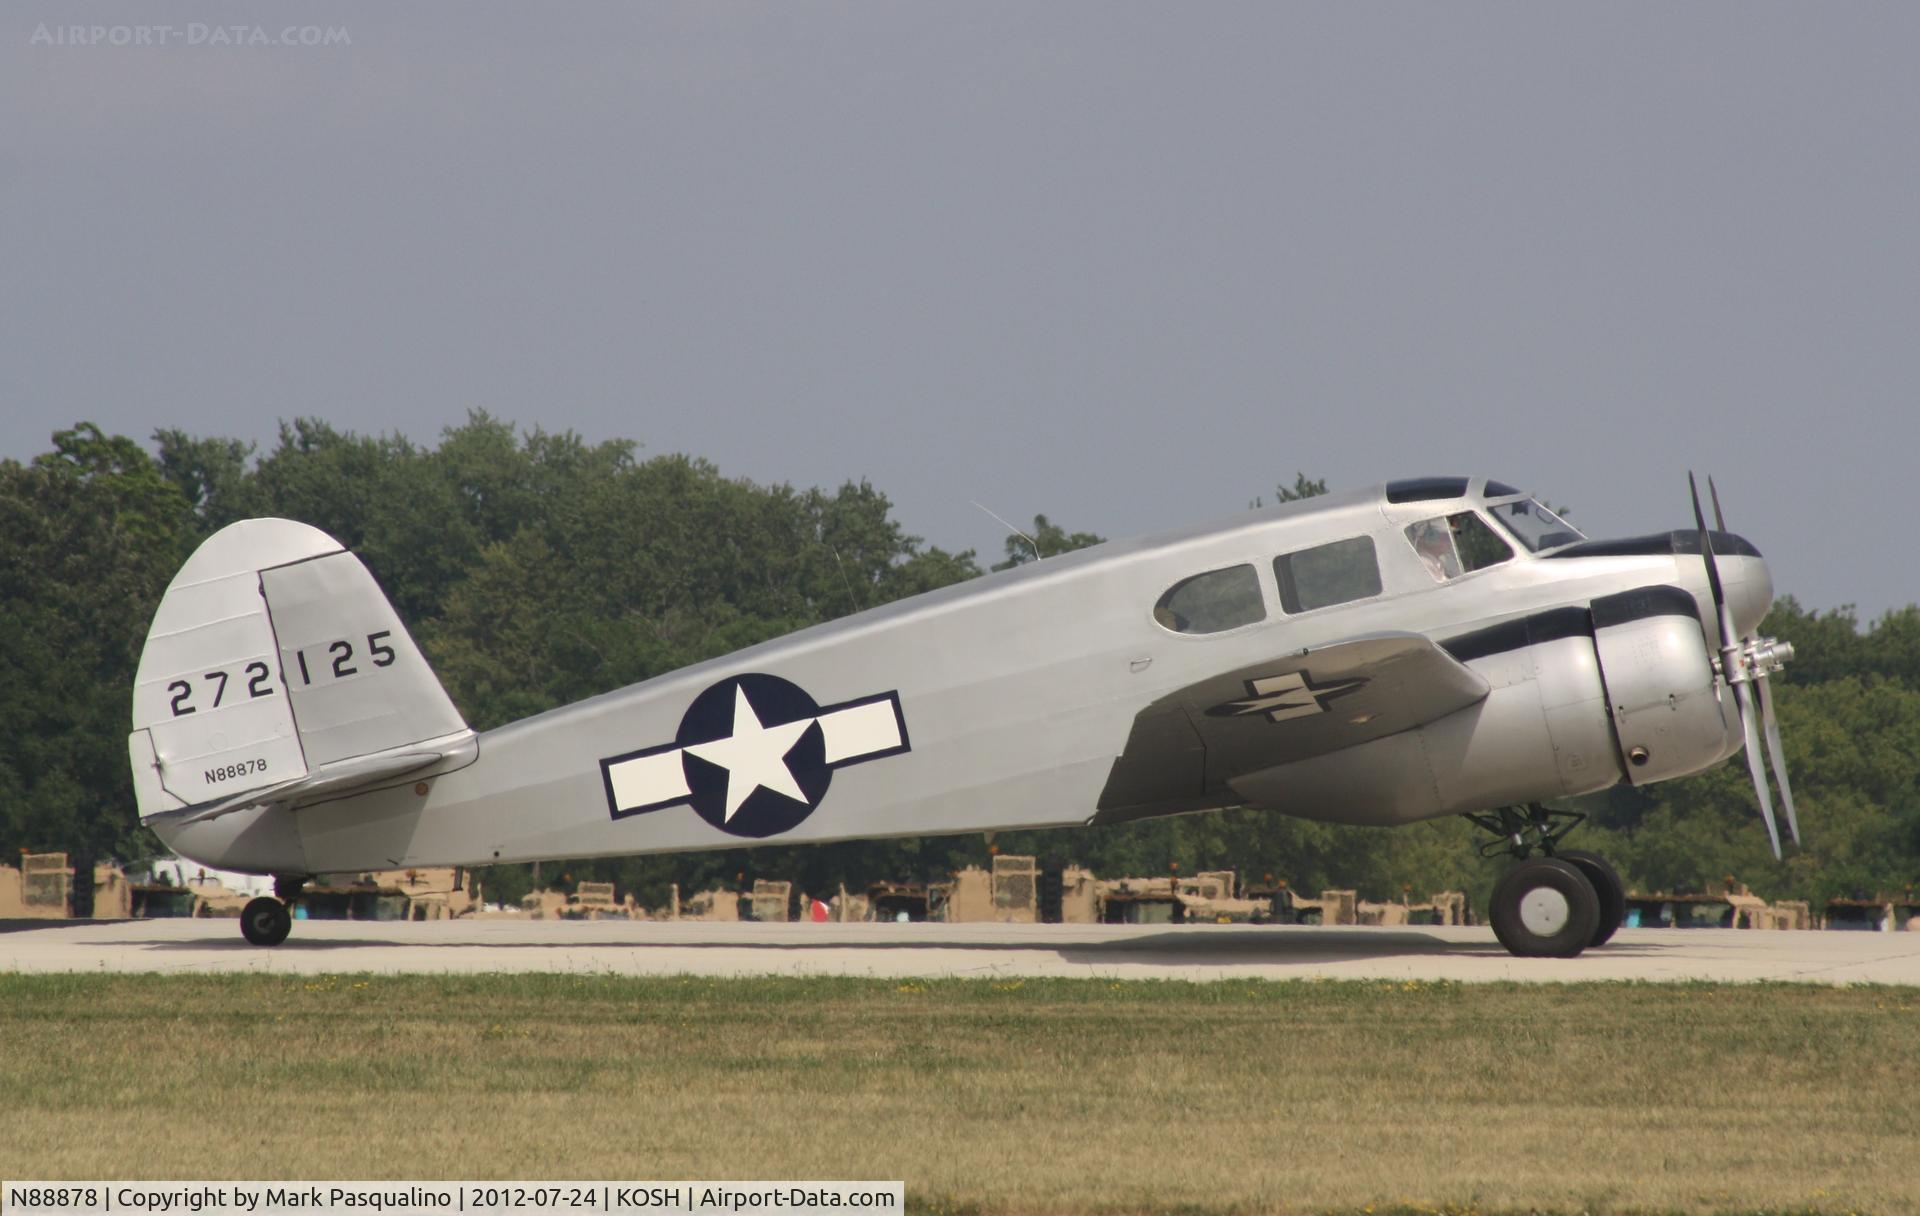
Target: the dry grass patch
pixel 1034 1096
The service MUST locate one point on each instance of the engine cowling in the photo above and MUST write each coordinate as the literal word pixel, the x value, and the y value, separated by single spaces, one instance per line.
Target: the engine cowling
pixel 1663 694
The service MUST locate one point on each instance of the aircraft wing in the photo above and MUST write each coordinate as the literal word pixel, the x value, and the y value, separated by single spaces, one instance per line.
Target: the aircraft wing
pixel 1187 745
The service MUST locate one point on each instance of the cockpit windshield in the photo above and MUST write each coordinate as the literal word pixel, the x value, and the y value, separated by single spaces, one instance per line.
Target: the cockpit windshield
pixel 1534 526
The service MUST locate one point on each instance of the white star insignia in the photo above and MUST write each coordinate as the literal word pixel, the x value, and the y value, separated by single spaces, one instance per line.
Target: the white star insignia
pixel 754 755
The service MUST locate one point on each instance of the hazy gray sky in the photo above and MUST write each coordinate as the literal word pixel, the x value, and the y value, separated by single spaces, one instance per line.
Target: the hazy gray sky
pixel 1126 264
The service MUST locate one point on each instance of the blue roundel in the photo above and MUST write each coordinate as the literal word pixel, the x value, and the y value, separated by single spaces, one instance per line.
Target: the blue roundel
pixel 773 703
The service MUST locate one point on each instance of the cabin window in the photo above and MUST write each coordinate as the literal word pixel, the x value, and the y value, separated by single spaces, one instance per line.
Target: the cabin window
pixel 1212 602
pixel 1452 545
pixel 1328 574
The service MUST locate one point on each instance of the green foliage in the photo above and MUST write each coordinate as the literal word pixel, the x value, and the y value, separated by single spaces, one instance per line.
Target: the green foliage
pixel 1302 487
pixel 90 533
pixel 1048 539
pixel 635 569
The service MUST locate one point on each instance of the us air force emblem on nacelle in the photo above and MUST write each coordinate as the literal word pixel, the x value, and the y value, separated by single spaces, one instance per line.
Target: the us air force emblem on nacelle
pixel 754 755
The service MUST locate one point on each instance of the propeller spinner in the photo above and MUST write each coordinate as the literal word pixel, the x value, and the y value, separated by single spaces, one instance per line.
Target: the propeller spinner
pixel 1745 663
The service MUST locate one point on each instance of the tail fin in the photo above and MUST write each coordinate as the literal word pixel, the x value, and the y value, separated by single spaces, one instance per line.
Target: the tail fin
pixel 275 666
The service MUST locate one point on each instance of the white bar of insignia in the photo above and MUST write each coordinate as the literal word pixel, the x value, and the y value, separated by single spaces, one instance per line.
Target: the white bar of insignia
pixel 645 780
pixel 860 730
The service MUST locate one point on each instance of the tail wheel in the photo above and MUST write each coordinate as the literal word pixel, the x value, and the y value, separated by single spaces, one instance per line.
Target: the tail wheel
pixel 266 921
pixel 1607 885
pixel 1545 908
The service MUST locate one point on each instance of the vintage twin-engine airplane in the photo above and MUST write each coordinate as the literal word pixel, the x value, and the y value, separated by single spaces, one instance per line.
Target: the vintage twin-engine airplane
pixel 1428 647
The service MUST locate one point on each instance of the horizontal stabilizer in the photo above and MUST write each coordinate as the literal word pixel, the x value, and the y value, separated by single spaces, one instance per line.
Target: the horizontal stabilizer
pixel 333 780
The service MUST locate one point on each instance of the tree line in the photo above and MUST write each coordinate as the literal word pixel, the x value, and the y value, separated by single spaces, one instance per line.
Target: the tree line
pixel 536 569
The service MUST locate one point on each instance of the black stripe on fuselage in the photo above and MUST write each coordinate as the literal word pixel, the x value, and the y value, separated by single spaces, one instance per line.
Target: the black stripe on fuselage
pixel 1641 603
pixel 1549 626
pixel 1557 623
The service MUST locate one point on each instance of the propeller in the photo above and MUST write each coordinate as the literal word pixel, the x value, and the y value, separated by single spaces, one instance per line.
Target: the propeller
pixel 1746 663
pixel 1766 657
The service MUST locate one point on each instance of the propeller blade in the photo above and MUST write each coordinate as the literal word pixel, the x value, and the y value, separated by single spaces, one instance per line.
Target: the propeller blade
pixel 1751 715
pixel 1778 755
pixel 1744 696
pixel 1713 567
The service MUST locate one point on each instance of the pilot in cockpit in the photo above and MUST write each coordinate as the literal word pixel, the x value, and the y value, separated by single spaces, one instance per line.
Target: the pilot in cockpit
pixel 1433 541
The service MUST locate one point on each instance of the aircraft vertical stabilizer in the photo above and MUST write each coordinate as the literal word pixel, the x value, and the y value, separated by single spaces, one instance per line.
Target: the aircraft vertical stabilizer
pixel 276 665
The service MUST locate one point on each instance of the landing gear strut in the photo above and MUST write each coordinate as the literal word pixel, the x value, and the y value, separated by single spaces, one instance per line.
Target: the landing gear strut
pixel 1559 903
pixel 267 920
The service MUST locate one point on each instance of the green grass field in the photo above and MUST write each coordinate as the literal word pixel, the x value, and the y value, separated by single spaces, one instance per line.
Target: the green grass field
pixel 1033 1097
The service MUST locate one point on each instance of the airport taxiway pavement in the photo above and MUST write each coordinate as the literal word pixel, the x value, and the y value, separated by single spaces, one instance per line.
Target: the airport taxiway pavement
pixel 1189 952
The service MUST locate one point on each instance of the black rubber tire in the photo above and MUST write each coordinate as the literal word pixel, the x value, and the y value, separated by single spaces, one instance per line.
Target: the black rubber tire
pixel 1607 885
pixel 1572 917
pixel 265 921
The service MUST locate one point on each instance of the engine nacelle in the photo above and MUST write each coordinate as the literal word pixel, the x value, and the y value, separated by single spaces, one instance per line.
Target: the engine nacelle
pixel 1543 731
pixel 1579 700
pixel 1668 715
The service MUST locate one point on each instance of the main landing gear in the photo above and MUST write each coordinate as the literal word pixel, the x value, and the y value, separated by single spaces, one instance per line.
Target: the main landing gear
pixel 268 919
pixel 1558 903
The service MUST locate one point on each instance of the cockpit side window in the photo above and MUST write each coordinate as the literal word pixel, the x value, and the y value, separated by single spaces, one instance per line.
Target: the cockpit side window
pixel 1479 545
pixel 1534 526
pixel 1452 545
pixel 1328 574
pixel 1213 602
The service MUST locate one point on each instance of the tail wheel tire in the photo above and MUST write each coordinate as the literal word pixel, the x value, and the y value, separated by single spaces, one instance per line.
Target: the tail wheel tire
pixel 265 921
pixel 1545 908
pixel 1607 885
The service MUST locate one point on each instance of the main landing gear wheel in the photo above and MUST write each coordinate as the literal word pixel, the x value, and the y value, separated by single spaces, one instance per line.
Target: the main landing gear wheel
pixel 1607 885
pixel 266 921
pixel 1545 908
